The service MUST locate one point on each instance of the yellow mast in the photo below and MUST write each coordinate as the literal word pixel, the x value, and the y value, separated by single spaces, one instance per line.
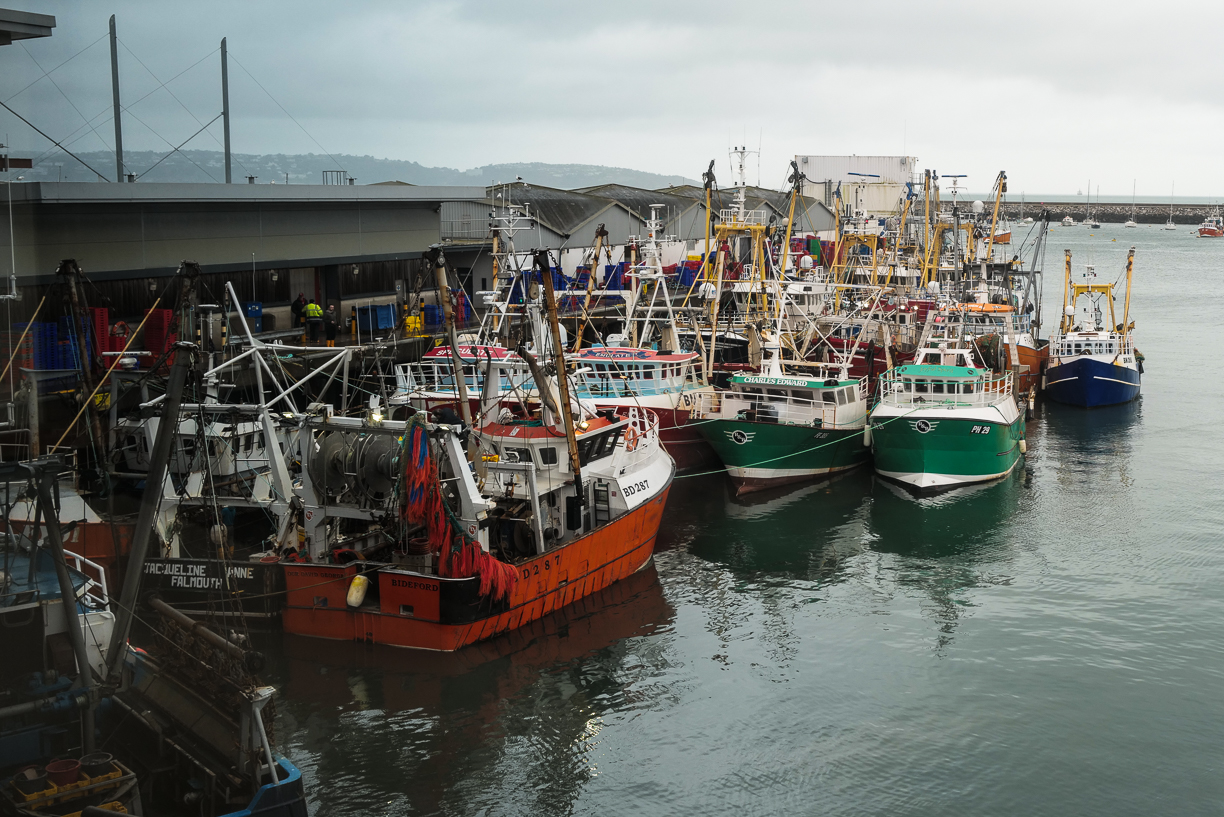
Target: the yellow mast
pixel 1066 293
pixel 896 253
pixel 567 419
pixel 926 192
pixel 600 235
pixel 1130 265
pixel 1000 189
pixel 718 282
pixel 796 186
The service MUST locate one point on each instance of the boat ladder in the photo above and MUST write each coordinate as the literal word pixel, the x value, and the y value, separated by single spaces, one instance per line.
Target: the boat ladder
pixel 602 502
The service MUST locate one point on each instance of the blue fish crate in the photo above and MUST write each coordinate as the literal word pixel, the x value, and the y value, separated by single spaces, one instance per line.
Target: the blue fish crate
pixel 377 317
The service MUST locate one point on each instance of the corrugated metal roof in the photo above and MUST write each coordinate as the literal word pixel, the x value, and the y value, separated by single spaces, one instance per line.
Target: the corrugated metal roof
pixel 564 211
pixel 638 200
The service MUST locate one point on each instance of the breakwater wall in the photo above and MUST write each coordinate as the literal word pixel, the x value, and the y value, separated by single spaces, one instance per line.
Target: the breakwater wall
pixel 1107 212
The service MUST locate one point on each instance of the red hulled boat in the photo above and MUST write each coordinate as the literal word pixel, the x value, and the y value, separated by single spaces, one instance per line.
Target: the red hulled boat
pixel 476 558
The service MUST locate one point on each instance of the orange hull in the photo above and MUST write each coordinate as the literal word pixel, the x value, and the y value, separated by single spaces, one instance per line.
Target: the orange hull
pixel 420 611
pixel 97 542
pixel 1003 238
pixel 1035 360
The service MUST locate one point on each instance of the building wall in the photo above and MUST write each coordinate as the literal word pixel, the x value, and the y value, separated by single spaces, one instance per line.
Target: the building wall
pixel 890 169
pixel 124 240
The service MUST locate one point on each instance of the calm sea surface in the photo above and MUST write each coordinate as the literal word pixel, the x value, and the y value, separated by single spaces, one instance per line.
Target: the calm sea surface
pixel 1049 644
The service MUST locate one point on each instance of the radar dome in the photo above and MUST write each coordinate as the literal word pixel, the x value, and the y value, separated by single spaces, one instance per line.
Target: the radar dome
pixel 978 207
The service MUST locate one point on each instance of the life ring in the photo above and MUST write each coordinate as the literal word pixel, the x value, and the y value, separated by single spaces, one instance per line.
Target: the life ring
pixel 631 438
pixel 120 329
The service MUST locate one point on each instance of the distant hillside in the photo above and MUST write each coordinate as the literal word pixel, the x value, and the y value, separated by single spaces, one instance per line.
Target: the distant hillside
pixel 208 166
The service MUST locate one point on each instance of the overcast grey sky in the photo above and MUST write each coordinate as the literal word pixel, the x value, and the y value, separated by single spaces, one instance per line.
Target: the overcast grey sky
pixel 1055 93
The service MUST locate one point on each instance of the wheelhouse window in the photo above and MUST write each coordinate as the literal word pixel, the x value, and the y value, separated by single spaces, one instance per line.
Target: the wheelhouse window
pixel 597 446
pixel 548 456
pixel 518 454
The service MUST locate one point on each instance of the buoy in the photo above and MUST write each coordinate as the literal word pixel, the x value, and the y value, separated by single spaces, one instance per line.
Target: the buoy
pixel 1023 450
pixel 357 591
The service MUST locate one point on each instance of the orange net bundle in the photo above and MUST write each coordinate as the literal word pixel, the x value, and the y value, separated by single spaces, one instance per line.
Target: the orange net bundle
pixel 459 556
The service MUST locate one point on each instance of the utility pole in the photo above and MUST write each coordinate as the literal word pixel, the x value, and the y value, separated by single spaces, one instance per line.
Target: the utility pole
pixel 224 106
pixel 114 43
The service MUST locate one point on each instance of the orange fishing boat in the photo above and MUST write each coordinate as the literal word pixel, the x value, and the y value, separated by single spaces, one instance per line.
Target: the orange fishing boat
pixel 484 562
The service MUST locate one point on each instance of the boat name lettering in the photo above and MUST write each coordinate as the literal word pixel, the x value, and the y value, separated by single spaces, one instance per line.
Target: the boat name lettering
pixel 195 582
pixel 980 430
pixel 637 488
pixel 174 569
pixel 414 585
pixel 616 355
pixel 776 381
pixel 534 570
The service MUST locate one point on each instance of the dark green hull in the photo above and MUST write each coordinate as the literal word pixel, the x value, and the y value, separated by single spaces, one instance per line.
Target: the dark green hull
pixel 760 455
pixel 932 451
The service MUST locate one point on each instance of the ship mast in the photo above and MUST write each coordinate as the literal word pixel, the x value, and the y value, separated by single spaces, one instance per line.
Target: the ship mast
pixel 567 419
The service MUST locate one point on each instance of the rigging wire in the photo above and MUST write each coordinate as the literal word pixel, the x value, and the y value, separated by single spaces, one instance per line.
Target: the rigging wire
pixel 47 136
pixel 177 150
pixel 166 84
pixel 282 107
pixel 56 68
pixel 168 142
pixel 72 138
pixel 64 95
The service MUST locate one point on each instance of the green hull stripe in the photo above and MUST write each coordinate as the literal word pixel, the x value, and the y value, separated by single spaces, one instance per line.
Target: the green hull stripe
pixel 766 450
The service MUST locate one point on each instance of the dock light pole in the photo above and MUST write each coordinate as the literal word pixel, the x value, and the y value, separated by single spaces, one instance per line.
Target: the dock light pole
pixel 114 45
pixel 225 107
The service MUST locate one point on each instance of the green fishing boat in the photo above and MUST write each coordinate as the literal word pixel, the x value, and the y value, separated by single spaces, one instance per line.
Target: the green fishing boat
pixel 946 420
pixel 772 429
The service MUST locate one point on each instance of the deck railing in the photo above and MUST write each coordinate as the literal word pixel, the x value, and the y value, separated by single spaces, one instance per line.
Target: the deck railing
pixel 918 391
pixel 825 411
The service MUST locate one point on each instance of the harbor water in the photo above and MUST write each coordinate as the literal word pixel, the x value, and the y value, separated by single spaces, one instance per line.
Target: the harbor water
pixel 1047 644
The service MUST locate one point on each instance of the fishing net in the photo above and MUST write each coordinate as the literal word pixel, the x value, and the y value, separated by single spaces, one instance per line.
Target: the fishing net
pixel 421 502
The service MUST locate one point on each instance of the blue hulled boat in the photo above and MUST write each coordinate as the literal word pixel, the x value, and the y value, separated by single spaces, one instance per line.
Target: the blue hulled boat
pixel 1093 363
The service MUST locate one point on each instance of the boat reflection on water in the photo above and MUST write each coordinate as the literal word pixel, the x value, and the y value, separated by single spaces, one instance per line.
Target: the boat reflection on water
pixel 797 530
pixel 967 521
pixel 416 722
pixel 1088 443
pixel 948 544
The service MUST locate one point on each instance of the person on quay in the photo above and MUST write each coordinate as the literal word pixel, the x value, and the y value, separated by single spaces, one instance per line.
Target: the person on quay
pixel 298 308
pixel 331 323
pixel 314 320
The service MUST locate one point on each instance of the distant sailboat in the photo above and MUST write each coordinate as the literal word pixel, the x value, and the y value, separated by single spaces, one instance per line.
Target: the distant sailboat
pixel 1130 222
pixel 1090 222
pixel 1169 225
pixel 1022 219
